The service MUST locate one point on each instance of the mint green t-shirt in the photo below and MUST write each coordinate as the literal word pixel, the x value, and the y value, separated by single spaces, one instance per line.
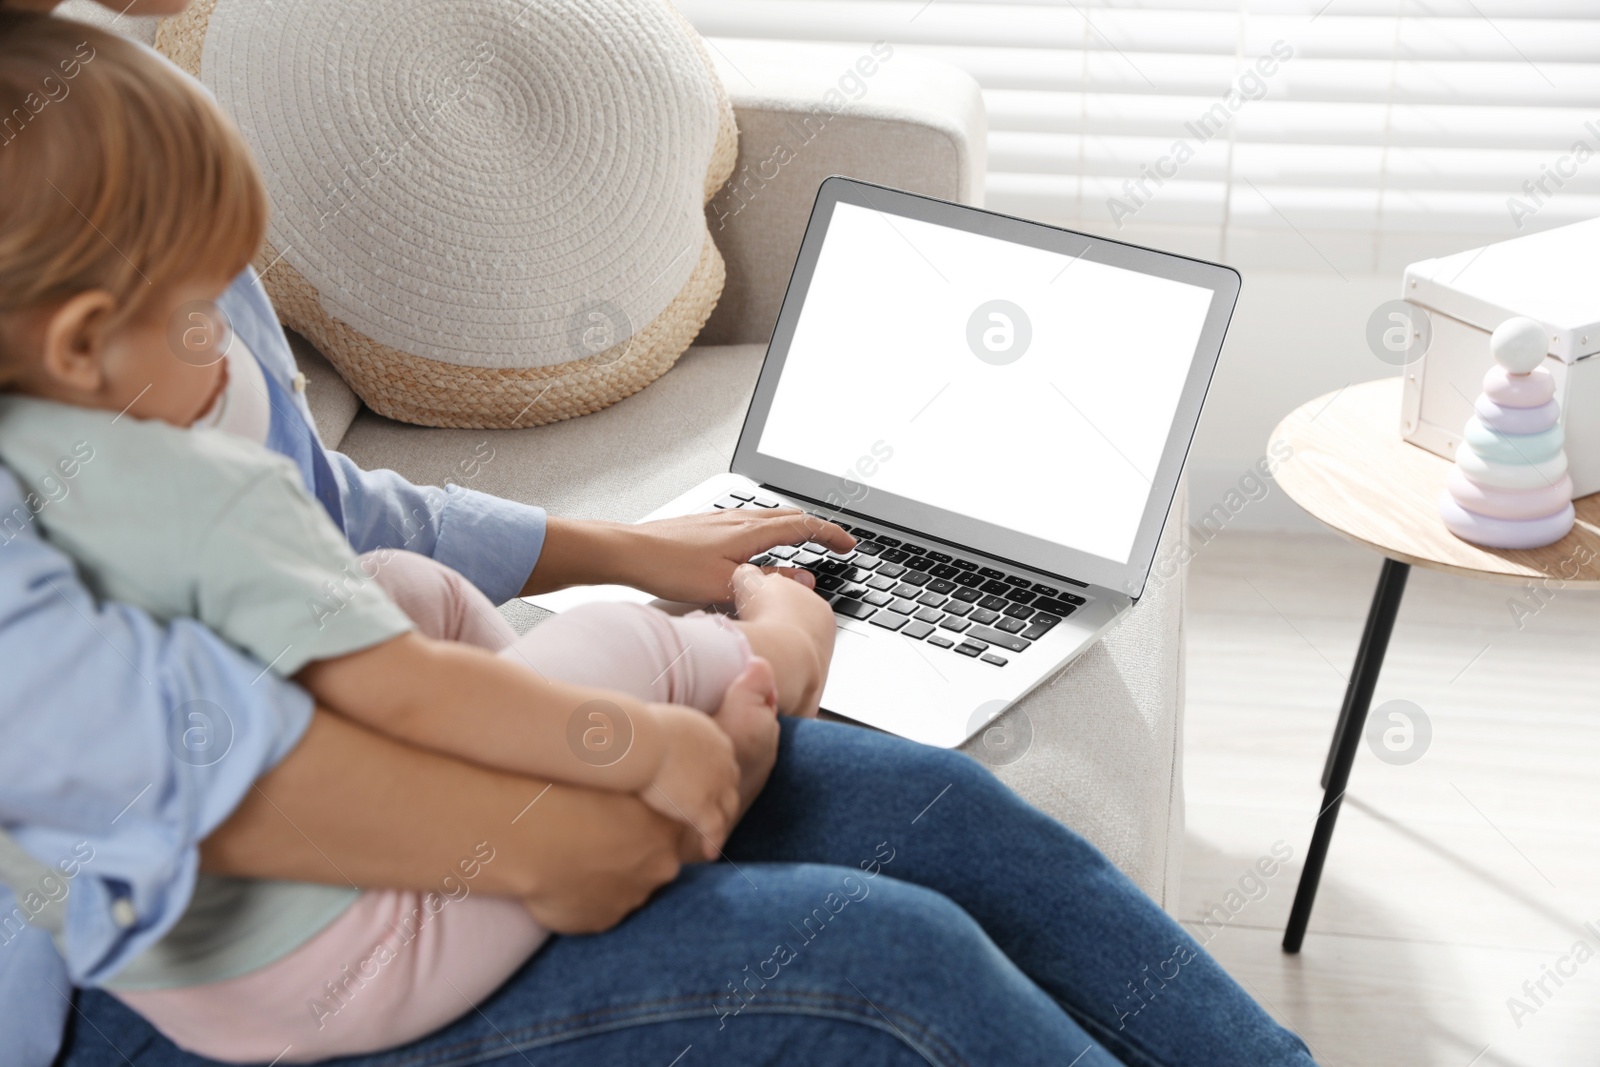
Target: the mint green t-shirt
pixel 204 525
pixel 197 524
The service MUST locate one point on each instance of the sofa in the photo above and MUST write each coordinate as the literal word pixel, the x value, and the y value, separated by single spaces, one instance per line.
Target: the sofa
pixel 1099 746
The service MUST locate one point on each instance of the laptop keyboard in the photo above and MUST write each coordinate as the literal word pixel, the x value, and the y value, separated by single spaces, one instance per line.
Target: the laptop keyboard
pixel 925 594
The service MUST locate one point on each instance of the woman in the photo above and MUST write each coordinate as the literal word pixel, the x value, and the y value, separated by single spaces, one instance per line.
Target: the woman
pixel 881 902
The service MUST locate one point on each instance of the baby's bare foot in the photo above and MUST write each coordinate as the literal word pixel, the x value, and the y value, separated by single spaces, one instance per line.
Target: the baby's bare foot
pixel 754 689
pixel 748 716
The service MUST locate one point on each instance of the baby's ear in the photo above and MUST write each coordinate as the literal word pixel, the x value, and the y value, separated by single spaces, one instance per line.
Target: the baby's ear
pixel 73 340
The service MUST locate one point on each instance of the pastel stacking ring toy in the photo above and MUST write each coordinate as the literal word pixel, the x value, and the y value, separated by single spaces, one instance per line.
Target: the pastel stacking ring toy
pixel 1516 420
pixel 1510 488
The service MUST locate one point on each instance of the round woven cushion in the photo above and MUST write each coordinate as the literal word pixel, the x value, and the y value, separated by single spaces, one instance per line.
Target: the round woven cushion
pixel 486 213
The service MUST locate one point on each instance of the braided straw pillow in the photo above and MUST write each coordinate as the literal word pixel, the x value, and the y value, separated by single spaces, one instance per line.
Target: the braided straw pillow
pixel 485 213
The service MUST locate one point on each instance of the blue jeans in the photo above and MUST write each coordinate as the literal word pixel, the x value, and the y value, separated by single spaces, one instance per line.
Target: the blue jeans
pixel 884 903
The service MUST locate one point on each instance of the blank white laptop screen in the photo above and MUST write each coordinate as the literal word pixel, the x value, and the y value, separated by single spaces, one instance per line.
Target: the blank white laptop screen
pixel 1014 385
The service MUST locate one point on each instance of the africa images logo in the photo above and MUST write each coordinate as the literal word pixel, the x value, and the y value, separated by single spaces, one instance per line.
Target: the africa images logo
pixel 999 332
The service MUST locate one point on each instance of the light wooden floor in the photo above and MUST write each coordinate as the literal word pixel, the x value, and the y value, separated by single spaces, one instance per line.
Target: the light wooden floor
pixel 1452 881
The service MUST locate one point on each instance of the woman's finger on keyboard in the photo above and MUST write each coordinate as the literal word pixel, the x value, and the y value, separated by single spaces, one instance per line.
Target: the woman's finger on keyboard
pixel 798 526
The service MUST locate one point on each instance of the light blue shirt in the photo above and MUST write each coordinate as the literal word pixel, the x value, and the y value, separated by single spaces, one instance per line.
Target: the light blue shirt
pixel 105 682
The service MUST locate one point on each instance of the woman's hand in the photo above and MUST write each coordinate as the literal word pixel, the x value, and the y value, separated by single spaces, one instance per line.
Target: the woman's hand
pixel 600 857
pixel 349 806
pixel 690 558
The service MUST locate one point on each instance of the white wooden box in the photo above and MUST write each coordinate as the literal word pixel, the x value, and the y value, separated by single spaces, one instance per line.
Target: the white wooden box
pixel 1553 277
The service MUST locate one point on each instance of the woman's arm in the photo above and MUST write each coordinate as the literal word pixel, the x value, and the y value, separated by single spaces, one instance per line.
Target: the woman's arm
pixel 351 807
pixel 689 558
pixel 492 710
pixel 494 542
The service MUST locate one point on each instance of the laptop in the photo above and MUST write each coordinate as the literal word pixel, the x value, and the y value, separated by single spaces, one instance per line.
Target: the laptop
pixel 999 411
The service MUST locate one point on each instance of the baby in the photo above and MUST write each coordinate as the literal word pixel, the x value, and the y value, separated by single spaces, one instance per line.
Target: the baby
pixel 130 205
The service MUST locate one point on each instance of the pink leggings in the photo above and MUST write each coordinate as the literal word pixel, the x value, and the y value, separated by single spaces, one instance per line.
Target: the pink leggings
pixel 397 964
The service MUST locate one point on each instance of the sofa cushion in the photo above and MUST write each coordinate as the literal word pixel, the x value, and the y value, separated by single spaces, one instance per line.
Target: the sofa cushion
pixel 620 463
pixel 485 212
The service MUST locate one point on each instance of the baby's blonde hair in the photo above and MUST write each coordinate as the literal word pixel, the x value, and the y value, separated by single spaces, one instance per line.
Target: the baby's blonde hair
pixel 116 172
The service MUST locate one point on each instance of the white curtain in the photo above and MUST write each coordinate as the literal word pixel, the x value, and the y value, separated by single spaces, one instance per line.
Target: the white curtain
pixel 1351 136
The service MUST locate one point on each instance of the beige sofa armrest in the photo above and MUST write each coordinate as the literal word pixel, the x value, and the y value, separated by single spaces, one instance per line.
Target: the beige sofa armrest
pixel 809 111
pixel 1100 746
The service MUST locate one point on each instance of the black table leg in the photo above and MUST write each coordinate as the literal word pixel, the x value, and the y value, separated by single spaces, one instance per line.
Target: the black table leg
pixel 1347 739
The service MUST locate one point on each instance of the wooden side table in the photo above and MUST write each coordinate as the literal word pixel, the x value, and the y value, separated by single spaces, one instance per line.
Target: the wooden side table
pixel 1350 469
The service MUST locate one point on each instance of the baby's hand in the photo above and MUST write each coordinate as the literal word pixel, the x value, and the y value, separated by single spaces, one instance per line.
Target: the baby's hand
pixel 698 780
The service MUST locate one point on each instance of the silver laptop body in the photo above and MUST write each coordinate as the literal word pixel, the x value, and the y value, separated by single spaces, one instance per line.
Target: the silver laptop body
pixel 999 410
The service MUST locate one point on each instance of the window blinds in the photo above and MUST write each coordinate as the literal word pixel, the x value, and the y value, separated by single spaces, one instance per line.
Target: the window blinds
pixel 1351 136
